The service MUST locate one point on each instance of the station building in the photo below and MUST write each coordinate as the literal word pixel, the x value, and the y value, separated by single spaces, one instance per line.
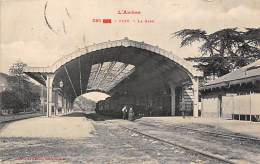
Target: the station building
pixel 235 95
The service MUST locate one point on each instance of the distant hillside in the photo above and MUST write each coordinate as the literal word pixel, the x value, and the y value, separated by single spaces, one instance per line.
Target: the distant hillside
pixel 85 104
pixel 7 81
pixel 3 81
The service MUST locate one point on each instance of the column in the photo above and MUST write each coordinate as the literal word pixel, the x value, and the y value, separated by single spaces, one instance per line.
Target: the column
pixel 59 102
pixel 49 81
pixel 67 106
pixel 62 105
pixel 42 100
pixel 56 105
pixel 173 95
pixel 70 106
pixel 195 87
pixel 68 109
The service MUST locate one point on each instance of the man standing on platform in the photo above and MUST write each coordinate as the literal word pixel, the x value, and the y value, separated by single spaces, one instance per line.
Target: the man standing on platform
pixel 124 110
pixel 131 114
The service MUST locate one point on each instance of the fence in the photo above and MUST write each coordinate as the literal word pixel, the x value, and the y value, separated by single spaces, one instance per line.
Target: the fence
pixel 210 106
pixel 241 105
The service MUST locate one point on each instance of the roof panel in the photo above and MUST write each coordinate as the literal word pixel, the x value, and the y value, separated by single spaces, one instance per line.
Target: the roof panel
pixel 108 75
pixel 248 73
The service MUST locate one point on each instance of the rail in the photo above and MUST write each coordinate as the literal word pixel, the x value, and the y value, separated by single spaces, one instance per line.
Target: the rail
pixel 203 153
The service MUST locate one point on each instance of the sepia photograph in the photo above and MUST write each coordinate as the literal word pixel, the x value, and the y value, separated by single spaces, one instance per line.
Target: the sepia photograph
pixel 130 81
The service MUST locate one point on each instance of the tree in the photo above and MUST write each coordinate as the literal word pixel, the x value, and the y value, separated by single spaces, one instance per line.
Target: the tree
pixel 16 70
pixel 20 84
pixel 10 101
pixel 17 80
pixel 21 93
pixel 224 50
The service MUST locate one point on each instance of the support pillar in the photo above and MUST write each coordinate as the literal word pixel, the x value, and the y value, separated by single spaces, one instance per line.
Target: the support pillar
pixel 59 103
pixel 56 105
pixel 49 81
pixel 70 106
pixel 173 95
pixel 67 106
pixel 62 105
pixel 195 87
pixel 42 100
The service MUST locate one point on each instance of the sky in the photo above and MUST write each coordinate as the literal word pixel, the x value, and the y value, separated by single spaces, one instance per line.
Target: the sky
pixel 25 36
pixel 96 96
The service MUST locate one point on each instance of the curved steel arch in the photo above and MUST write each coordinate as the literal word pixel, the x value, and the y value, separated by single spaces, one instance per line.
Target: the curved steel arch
pixel 46 75
pixel 125 43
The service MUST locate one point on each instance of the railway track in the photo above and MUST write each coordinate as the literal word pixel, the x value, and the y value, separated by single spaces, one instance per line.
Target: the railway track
pixel 190 149
pixel 238 137
pixel 22 118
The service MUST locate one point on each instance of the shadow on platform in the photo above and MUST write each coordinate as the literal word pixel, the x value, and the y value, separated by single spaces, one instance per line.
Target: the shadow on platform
pixel 92 116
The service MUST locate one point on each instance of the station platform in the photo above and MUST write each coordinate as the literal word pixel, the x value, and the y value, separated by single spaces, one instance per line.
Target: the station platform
pixel 246 128
pixel 53 127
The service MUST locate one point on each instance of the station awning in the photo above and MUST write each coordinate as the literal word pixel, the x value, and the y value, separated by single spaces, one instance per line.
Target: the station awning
pixel 247 74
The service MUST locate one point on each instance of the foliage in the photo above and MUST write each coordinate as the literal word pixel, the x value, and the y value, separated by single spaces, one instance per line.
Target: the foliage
pixel 10 100
pixel 24 90
pixel 223 50
pixel 16 70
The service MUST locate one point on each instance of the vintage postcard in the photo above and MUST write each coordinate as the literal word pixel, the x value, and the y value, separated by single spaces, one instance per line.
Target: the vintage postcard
pixel 130 81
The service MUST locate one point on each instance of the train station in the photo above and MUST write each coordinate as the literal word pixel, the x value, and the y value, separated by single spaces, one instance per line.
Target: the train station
pixel 130 82
pixel 155 81
pixel 158 110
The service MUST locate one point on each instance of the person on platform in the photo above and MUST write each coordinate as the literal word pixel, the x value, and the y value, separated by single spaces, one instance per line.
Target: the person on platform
pixel 183 109
pixel 131 114
pixel 124 110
